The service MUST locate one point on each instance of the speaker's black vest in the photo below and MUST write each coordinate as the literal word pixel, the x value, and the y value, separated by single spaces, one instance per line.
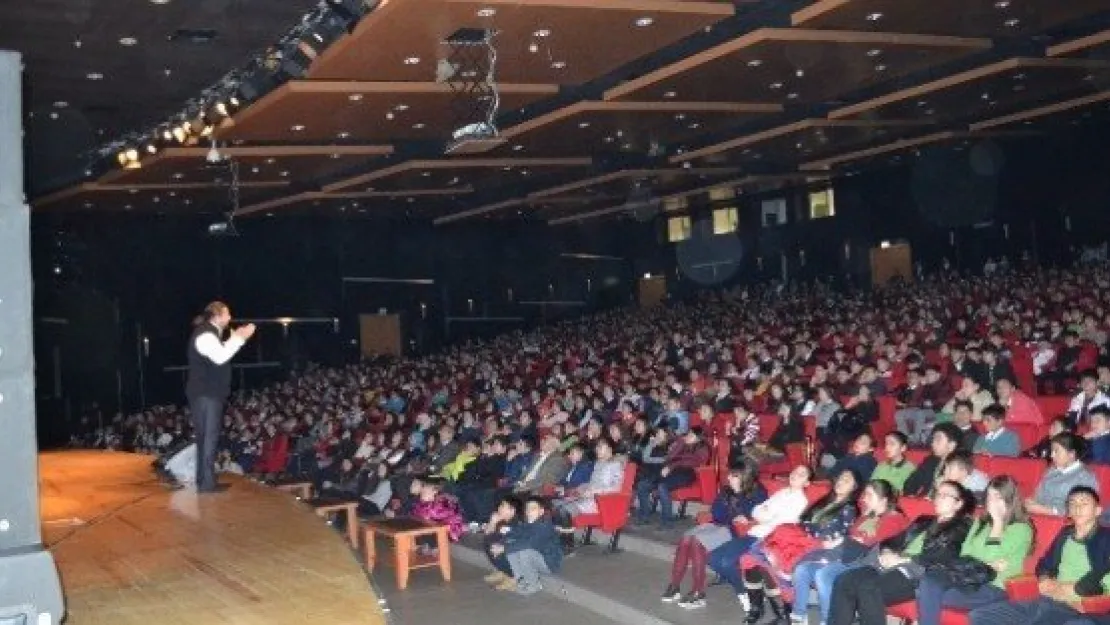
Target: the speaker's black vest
pixel 206 378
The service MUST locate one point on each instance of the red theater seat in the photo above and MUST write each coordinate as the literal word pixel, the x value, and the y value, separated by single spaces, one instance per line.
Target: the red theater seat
pixel 612 510
pixel 1027 472
pixel 703 490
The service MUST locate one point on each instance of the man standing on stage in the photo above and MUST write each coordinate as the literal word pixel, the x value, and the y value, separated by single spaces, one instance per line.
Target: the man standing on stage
pixel 210 383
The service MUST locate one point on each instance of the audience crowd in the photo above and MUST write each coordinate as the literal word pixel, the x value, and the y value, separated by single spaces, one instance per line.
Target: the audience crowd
pixel 891 396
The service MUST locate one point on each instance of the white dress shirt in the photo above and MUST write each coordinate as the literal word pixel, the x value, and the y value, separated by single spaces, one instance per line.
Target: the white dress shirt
pixel 211 347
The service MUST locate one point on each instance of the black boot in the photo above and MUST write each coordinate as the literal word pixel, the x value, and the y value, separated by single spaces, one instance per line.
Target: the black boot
pixel 778 608
pixel 755 612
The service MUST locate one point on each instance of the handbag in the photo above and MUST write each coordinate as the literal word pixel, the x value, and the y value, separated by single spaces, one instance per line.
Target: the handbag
pixel 963 572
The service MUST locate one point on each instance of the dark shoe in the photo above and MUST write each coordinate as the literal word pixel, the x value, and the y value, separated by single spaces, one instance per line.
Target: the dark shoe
pixel 779 609
pixel 693 601
pixel 671 594
pixel 755 612
pixel 218 488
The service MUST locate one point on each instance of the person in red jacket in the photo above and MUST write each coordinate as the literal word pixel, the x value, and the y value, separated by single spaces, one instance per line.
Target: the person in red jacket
pixel 1020 408
pixel 685 455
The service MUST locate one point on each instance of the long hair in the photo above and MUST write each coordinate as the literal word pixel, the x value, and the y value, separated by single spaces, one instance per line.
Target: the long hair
pixel 749 478
pixel 884 490
pixel 830 502
pixel 1007 488
pixel 209 312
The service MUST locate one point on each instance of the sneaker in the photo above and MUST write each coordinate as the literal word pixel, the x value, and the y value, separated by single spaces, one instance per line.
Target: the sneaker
pixel 671 594
pixel 693 601
pixel 495 578
pixel 509 585
pixel 745 603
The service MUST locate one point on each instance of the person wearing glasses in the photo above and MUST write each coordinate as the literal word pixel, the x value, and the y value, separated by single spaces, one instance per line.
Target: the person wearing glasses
pixel 899 563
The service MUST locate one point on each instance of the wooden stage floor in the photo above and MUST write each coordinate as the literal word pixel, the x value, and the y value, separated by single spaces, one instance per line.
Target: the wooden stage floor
pixel 131 552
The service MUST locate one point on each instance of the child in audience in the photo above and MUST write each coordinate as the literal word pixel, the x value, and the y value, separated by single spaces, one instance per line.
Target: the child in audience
pixel 1066 473
pixel 896 470
pixel 531 548
pixel 998 441
pixel 1098 438
pixel 1076 565
pixel 500 523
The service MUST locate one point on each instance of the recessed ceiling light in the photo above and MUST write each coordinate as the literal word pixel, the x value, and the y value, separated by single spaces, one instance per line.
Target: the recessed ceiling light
pixel 354 97
pixel 88 205
pixel 922 103
pixel 53 115
pixel 669 94
pixel 271 161
pixel 541 33
pixel 518 147
pixel 156 199
pixel 178 176
pixel 645 21
pixel 336 155
pixel 412 60
pixel 880 68
pixel 172 193
pixel 77 43
pixel 1019 87
pixel 389 115
pixel 132 191
pixel 608 139
pixel 297 127
pixel 410 200
pixel 755 63
pixel 344 135
pixel 487 12
pixel 166 72
pixel 418 126
pixel 776 85
pixel 985 96
pixel 188 201
pixel 680 116
pixel 254 170
pixel 584 124
pixel 929 111
pixel 127 207
pixel 694 125
pixel 1012 22
pixel 128 41
pixel 284 174
pixel 401 107
pixel 873 52
pixel 800 73
pixel 792 95
pixel 94 76
pixel 61 104
pixel 1002 4
pixel 874 17
pixel 558 64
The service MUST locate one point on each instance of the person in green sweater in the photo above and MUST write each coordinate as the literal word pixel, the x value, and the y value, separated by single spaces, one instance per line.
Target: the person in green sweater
pixel 896 470
pixel 1001 539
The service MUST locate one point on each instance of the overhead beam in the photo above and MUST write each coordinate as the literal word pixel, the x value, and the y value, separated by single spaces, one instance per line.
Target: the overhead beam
pixel 457 163
pixel 1042 111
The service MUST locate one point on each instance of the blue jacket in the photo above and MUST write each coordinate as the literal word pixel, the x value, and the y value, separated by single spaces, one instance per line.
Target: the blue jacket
pixel 1098 551
pixel 578 474
pixel 515 468
pixel 540 536
pixel 863 466
pixel 1006 444
pixel 1100 449
pixel 728 505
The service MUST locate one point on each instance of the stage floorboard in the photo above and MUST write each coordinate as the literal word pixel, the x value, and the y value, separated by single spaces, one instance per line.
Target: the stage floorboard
pixel 131 552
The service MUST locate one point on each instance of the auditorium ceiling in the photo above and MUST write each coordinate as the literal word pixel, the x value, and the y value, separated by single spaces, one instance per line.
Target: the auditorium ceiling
pixel 606 108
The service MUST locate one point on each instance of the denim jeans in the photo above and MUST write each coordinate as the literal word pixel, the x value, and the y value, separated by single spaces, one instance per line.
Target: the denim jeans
pixel 821 576
pixel 933 596
pixel 725 560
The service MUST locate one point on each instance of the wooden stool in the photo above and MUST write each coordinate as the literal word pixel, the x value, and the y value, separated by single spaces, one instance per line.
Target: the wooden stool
pixel 302 490
pixel 404 532
pixel 326 507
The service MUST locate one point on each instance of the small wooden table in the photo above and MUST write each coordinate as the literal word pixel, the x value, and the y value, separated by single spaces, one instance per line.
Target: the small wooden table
pixel 326 506
pixel 302 490
pixel 404 532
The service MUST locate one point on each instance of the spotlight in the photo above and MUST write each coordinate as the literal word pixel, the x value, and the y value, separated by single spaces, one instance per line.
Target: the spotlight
pixel 167 134
pixel 221 108
pixel 122 157
pixel 179 133
pixel 132 154
pixel 151 148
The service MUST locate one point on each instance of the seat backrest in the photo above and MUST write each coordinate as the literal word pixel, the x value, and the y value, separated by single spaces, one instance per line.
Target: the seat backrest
pixel 796 454
pixel 885 424
pixel 1102 474
pixel 916 456
pixel 915 506
pixel 767 425
pixel 1028 433
pixel 1045 529
pixel 982 462
pixel 1053 406
pixel 629 478
pixel 707 481
pixel 1027 472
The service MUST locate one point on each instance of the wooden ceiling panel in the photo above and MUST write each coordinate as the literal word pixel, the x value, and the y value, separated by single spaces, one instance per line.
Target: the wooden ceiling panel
pixel 986 91
pixel 789 66
pixel 622 184
pixel 160 199
pixel 636 127
pixel 801 141
pixel 362 205
pixel 475 173
pixel 378 112
pixel 1094 46
pixel 402 40
pixel 175 166
pixel 1052 116
pixel 896 151
pixel 965 18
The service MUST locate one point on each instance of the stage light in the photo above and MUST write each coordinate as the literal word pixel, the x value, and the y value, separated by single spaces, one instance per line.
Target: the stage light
pixel 132 154
pixel 122 157
pixel 151 148
pixel 179 133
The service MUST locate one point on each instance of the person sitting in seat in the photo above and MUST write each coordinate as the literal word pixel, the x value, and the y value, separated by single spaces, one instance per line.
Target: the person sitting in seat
pixel 1098 439
pixel 1067 472
pixel 998 441
pixel 733 506
pixel 999 541
pixel 1076 565
pixel 960 468
pixel 944 440
pixel 679 470
pixel 607 477
pixel 531 548
pixel 896 469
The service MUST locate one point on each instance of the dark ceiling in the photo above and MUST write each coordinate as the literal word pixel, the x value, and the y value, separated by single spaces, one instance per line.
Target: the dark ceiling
pixel 600 100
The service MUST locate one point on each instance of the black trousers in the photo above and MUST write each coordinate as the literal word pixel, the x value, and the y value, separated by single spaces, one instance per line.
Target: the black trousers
pixel 208 416
pixel 868 591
